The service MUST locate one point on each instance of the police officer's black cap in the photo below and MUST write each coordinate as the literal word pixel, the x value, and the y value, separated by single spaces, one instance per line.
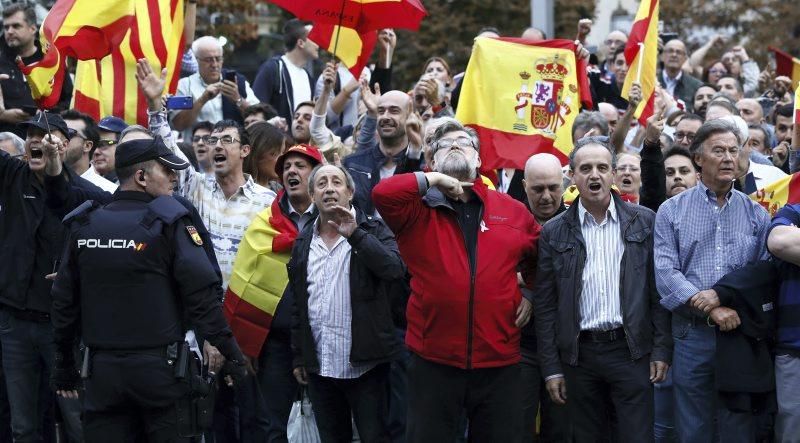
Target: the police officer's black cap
pixel 47 121
pixel 142 150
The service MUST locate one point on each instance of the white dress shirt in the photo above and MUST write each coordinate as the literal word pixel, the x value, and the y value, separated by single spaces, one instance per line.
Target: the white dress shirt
pixel 330 312
pixel 599 302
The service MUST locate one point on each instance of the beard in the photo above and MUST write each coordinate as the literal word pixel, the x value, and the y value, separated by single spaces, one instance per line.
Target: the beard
pixel 456 165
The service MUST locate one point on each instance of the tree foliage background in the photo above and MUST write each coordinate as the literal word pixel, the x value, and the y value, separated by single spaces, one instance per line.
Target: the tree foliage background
pixel 756 24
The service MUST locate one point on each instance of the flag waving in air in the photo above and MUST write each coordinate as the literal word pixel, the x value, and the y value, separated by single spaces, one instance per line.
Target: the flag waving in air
pixel 352 48
pixel 641 54
pixel 522 98
pixel 108 86
pixel 787 65
pixel 46 77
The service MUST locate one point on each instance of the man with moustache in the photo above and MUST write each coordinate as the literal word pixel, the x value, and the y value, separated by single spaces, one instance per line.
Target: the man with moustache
pixel 702 234
pixel 466 307
pixel 679 171
pixel 260 277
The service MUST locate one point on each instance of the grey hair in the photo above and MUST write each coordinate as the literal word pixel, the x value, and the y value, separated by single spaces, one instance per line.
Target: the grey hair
pixel 586 141
pixel 133 129
pixel 205 40
pixel 713 127
pixel 19 144
pixel 351 184
pixel 453 125
pixel 585 121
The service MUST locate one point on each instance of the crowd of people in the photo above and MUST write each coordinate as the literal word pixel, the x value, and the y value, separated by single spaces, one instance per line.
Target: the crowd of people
pixel 361 259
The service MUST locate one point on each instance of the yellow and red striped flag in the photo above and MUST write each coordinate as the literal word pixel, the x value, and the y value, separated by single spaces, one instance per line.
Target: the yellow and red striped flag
pixel 779 193
pixel 787 65
pixel 353 49
pixel 259 277
pixel 797 105
pixel 46 77
pixel 642 51
pixel 522 98
pixel 108 86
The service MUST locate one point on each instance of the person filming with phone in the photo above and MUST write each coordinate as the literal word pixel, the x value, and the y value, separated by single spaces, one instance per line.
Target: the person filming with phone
pixel 216 93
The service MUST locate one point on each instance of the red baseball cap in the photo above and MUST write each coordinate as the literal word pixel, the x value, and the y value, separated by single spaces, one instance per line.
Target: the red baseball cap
pixel 310 152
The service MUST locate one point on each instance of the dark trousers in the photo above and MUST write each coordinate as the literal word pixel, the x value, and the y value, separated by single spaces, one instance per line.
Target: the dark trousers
pixel 398 407
pixel 554 421
pixel 27 352
pixel 606 372
pixel 129 394
pixel 364 398
pixel 437 395
pixel 277 384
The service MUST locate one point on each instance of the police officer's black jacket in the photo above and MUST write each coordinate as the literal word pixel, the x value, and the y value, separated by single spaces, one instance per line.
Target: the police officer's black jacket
pixel 145 269
pixel 374 263
pixel 62 198
pixel 31 237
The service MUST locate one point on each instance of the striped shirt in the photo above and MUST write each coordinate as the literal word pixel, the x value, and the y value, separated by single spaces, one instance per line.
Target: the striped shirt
pixel 329 309
pixel 225 218
pixel 697 241
pixel 599 302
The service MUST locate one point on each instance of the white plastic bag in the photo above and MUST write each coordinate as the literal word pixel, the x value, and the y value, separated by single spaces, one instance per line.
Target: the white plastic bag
pixel 302 428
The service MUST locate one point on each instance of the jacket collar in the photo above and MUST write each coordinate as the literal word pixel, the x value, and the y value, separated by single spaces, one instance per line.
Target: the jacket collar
pixel 133 195
pixel 380 157
pixel 624 213
pixel 434 198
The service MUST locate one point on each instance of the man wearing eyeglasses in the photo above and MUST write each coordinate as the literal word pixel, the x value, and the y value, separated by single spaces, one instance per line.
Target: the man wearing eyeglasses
pixel 215 96
pixel 679 84
pixel 466 308
pixel 84 138
pixel 103 158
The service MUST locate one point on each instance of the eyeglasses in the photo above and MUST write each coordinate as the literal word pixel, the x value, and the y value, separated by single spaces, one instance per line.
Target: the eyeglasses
pixel 225 139
pixel 687 135
pixel 209 60
pixel 632 169
pixel 461 142
pixel 106 143
pixel 200 138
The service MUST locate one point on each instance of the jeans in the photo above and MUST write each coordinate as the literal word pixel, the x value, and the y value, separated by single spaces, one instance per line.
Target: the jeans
pixel 787 384
pixel 696 406
pixel 664 428
pixel 28 349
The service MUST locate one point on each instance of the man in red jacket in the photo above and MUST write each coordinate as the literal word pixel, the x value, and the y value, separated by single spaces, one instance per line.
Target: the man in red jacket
pixel 462 243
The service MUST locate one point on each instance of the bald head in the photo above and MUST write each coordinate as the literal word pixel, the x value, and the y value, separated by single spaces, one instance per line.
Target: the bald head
pixel 533 34
pixel 614 40
pixel 393 110
pixel 673 56
pixel 751 111
pixel 543 185
pixel 611 115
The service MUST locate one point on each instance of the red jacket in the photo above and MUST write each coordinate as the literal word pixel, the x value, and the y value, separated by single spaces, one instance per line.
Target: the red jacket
pixel 456 318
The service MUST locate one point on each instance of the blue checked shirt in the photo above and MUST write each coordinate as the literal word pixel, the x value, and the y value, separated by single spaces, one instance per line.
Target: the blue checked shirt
pixel 697 241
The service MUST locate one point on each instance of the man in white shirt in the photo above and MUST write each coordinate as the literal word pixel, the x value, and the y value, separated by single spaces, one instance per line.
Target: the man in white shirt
pixel 216 97
pixel 283 81
pixel 80 149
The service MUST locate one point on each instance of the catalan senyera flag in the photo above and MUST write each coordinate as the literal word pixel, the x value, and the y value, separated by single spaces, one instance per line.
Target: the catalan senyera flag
pixel 779 193
pixel 88 29
pixel 353 49
pixel 108 86
pixel 522 98
pixel 259 277
pixel 644 31
pixel 787 65
pixel 46 77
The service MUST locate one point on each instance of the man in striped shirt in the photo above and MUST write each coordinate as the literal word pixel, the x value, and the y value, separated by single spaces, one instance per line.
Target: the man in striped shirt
pixel 595 286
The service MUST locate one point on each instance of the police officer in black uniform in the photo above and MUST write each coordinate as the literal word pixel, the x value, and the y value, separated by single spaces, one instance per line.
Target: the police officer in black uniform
pixel 133 279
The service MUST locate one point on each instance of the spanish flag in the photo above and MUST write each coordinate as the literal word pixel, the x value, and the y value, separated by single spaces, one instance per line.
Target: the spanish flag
pixel 787 65
pixel 108 86
pixel 353 49
pixel 797 105
pixel 88 29
pixel 642 50
pixel 778 194
pixel 522 98
pixel 259 277
pixel 45 77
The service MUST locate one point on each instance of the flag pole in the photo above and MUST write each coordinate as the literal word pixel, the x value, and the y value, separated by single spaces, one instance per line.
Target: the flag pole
pixel 338 30
pixel 639 68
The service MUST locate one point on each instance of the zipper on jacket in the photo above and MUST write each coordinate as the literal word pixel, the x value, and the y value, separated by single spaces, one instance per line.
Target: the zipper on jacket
pixel 473 270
